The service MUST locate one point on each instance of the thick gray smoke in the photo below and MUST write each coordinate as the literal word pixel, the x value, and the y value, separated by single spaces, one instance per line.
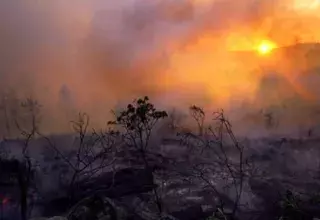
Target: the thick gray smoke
pixel 88 55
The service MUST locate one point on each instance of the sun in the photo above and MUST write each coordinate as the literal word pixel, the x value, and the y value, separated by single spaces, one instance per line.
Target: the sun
pixel 265 47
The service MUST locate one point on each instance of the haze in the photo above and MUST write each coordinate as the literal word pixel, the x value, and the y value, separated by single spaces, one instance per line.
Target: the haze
pixel 96 55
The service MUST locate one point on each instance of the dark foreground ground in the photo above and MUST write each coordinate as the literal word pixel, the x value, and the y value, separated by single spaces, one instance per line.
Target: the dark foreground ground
pixel 272 178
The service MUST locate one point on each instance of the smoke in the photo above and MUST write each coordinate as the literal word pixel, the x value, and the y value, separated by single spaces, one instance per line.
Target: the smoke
pixel 90 55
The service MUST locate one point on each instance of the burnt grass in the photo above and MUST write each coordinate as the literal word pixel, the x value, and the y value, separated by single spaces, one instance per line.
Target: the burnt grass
pixel 185 175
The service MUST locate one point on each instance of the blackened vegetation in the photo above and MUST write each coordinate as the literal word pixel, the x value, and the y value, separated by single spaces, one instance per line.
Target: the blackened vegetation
pixel 118 173
pixel 111 185
pixel 117 184
pixel 16 182
pixel 21 173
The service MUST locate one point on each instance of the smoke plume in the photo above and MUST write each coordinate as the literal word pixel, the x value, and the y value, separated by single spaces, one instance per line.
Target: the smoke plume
pixel 93 55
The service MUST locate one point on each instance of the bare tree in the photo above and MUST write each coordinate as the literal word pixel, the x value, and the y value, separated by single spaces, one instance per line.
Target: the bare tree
pixel 91 154
pixel 10 105
pixel 213 144
pixel 137 123
pixel 198 115
pixel 28 125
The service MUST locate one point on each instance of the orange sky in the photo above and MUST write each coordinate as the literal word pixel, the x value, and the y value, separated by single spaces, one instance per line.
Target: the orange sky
pixel 204 57
pixel 107 51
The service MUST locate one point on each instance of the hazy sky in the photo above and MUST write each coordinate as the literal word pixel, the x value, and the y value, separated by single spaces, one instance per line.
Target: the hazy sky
pixel 104 51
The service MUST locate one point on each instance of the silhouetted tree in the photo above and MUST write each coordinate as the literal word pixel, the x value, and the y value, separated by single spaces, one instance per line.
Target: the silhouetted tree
pixel 137 123
pixel 90 155
pixel 28 125
pixel 217 139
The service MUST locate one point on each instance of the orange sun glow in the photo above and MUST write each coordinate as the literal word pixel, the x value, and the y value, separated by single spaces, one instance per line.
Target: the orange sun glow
pixel 265 47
